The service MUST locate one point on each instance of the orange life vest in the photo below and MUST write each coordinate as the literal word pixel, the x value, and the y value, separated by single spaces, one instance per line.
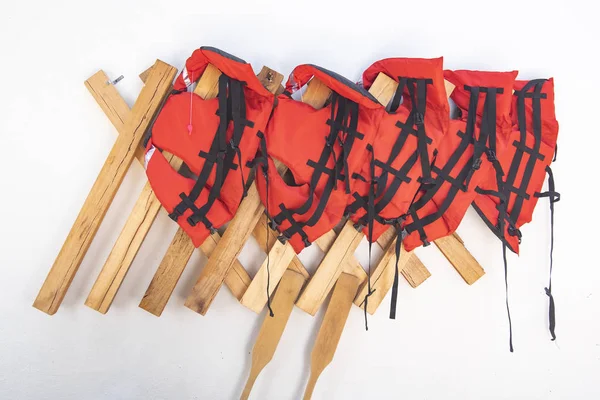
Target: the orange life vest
pixel 215 138
pixel 322 149
pixel 484 101
pixel 531 148
pixel 406 139
pixel 403 148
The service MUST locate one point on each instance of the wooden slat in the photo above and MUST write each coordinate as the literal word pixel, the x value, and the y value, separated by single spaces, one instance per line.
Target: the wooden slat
pixel 179 252
pixel 331 329
pixel 273 327
pixel 238 231
pixel 461 259
pixel 319 286
pixel 169 271
pixel 104 189
pixel 280 256
pixel 260 234
pixel 414 271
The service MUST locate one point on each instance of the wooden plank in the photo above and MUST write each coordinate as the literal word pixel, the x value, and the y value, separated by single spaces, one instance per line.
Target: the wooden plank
pixel 179 252
pixel 319 286
pixel 265 243
pixel 461 259
pixel 144 211
pixel 169 271
pixel 414 271
pixel 273 327
pixel 280 256
pixel 238 231
pixel 331 329
pixel 104 189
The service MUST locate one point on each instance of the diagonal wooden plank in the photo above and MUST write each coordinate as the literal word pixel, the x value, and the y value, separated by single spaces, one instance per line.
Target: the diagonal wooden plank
pixel 104 189
pixel 179 252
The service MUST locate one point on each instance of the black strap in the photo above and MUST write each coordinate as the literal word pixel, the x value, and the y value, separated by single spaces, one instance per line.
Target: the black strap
pixel 553 196
pixel 370 214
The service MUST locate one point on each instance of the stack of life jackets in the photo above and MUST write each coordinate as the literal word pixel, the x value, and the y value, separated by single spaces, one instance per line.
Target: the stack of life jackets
pixel 399 161
pixel 323 150
pixel 475 163
pixel 215 138
pixel 525 162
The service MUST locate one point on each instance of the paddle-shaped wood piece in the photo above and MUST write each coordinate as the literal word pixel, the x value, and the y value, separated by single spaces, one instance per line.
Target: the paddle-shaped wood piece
pixel 179 252
pixel 104 189
pixel 238 231
pixel 331 329
pixel 272 328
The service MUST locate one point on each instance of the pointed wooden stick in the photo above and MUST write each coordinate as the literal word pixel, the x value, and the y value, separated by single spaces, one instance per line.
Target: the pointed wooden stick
pixel 179 252
pixel 272 327
pixel 238 231
pixel 331 329
pixel 102 193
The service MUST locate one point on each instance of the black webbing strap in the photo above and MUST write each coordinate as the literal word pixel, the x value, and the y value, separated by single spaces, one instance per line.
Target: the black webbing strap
pixel 263 164
pixel 414 125
pixel 370 216
pixel 522 148
pixel 553 196
pixel 344 120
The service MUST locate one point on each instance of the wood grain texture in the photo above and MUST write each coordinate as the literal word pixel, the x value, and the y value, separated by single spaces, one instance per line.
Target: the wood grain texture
pixel 331 329
pixel 236 234
pixel 273 327
pixel 169 271
pixel 461 259
pixel 317 289
pixel 266 240
pixel 280 256
pixel 104 189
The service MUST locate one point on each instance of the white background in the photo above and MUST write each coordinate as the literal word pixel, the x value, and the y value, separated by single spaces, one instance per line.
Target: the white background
pixel 449 340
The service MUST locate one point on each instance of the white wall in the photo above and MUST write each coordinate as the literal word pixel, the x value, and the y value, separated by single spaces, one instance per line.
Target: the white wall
pixel 449 340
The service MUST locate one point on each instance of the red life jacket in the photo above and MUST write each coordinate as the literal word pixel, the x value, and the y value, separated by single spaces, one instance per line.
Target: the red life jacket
pixel 406 139
pixel 484 101
pixel 402 152
pixel 215 138
pixel 322 149
pixel 531 148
